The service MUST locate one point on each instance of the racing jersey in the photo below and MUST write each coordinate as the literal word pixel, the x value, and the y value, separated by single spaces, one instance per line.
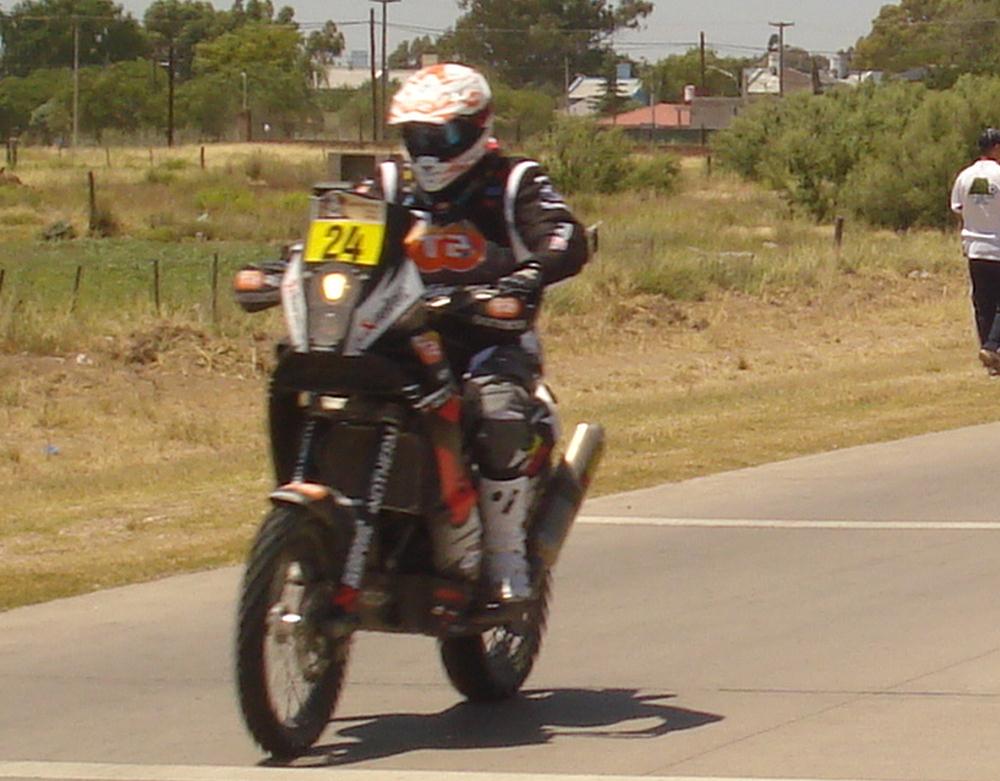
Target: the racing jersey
pixel 510 215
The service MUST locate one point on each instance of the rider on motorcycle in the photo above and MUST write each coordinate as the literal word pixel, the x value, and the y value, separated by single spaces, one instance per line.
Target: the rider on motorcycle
pixel 484 218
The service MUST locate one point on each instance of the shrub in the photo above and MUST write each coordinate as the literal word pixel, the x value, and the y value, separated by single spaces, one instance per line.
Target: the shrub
pixel 659 173
pixel 887 154
pixel 582 157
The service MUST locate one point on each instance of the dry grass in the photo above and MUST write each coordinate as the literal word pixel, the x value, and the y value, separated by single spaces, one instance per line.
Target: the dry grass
pixel 115 469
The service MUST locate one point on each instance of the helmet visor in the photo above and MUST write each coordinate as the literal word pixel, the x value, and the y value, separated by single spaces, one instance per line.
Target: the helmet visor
pixel 441 141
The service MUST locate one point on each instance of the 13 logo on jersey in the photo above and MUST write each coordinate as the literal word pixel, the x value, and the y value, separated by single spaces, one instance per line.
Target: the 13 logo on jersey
pixel 456 247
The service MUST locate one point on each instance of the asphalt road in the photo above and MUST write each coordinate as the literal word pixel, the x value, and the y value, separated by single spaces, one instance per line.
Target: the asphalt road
pixel 831 617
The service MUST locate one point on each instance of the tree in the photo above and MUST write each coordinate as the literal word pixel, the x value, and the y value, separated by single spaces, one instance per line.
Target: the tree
pixel 527 42
pixel 938 34
pixel 250 46
pixel 666 79
pixel 121 97
pixel 210 104
pixel 22 96
pixel 521 113
pixel 182 25
pixel 276 68
pixel 324 46
pixel 410 53
pixel 39 34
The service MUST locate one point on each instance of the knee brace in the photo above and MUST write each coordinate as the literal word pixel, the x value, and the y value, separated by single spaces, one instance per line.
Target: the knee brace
pixel 499 423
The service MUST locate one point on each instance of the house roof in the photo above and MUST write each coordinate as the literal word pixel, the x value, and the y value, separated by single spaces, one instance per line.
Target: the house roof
pixel 765 81
pixel 594 88
pixel 665 115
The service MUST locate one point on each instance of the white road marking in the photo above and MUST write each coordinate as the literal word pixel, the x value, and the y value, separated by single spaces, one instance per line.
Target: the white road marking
pixel 764 523
pixel 88 771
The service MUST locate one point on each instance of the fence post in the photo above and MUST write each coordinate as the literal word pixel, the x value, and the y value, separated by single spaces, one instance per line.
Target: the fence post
pixel 203 158
pixel 76 289
pixel 92 219
pixel 3 273
pixel 107 155
pixel 156 285
pixel 708 166
pixel 838 234
pixel 215 288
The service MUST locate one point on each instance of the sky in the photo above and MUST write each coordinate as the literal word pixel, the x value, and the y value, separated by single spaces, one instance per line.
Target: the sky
pixel 731 27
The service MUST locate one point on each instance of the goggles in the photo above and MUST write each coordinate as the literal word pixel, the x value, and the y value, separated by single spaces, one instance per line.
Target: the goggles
pixel 441 141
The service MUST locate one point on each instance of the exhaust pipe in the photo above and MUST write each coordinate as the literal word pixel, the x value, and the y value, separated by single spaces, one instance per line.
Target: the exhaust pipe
pixel 565 492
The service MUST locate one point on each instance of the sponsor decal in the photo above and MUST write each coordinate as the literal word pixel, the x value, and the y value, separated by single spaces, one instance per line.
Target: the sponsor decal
pixel 506 308
pixel 380 474
pixel 457 247
pixel 559 241
pixel 428 348
pixel 389 301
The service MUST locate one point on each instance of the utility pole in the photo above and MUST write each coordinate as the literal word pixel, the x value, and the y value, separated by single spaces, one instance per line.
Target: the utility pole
pixel 170 95
pixel 385 74
pixel 76 79
pixel 781 54
pixel 703 90
pixel 371 36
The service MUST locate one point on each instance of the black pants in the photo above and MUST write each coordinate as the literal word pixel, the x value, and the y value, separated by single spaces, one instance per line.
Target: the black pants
pixel 985 276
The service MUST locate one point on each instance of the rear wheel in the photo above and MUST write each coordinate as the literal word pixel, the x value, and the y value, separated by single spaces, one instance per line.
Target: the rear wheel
pixel 495 664
pixel 289 674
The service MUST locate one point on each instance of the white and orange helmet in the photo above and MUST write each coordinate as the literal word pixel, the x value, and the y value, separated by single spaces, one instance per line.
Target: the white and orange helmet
pixel 446 115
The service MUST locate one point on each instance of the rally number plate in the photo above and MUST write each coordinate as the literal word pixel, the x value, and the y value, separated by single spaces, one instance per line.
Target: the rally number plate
pixel 346 241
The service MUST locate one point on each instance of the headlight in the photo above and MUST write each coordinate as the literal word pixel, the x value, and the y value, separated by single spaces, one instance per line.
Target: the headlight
pixel 334 286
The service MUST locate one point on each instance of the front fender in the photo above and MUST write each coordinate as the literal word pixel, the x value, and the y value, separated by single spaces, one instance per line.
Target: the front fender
pixel 319 500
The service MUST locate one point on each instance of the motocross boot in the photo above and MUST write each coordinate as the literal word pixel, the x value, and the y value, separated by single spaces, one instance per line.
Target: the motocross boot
pixel 504 505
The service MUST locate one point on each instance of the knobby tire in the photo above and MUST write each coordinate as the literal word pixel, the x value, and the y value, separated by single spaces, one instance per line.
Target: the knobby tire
pixel 289 534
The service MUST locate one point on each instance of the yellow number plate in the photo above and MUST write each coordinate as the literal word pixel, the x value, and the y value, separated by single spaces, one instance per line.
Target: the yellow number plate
pixel 347 241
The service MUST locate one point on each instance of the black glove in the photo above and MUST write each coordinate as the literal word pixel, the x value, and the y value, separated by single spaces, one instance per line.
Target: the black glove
pixel 524 283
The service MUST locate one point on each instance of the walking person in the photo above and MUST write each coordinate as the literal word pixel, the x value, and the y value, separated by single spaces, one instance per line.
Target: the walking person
pixel 976 198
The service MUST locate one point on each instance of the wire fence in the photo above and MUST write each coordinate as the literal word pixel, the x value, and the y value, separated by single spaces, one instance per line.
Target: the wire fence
pixel 194 281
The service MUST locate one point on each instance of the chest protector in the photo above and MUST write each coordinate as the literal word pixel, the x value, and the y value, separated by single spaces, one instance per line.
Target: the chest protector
pixel 478 247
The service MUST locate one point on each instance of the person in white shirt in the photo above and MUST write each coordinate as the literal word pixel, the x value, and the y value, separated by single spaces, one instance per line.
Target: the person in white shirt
pixel 976 198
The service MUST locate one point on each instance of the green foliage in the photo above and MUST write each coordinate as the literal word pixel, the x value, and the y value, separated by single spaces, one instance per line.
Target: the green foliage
pixel 947 35
pixel 581 157
pixel 276 82
pixel 522 113
pixel 39 34
pixel 324 45
pixel 410 53
pixel 122 96
pixel 225 198
pixel 531 42
pixel 210 104
pixel 887 154
pixel 667 78
pixel 182 25
pixel 659 174
pixel 22 96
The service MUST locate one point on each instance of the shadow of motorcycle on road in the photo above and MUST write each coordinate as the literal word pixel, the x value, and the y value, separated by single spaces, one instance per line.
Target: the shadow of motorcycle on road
pixel 534 718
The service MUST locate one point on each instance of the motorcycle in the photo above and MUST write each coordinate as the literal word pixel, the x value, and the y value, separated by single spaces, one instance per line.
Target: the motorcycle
pixel 352 456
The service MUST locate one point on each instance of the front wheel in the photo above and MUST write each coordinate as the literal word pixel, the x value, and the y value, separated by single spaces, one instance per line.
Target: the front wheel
pixel 494 665
pixel 289 673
